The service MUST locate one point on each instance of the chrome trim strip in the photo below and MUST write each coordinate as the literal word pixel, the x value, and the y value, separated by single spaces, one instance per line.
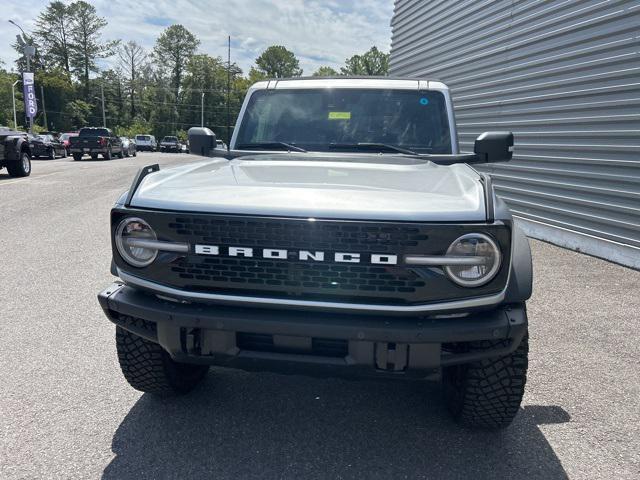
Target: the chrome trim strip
pixel 444 260
pixel 285 302
pixel 158 245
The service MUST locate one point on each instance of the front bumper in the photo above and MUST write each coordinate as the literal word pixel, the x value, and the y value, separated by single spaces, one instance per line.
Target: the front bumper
pixel 328 343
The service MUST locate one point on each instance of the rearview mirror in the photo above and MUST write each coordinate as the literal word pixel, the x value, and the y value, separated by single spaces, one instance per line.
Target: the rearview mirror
pixel 201 141
pixel 494 146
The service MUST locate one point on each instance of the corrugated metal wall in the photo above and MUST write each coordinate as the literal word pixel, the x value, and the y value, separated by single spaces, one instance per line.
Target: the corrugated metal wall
pixel 564 76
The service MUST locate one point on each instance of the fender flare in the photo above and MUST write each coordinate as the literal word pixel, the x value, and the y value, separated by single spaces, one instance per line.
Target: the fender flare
pixel 520 284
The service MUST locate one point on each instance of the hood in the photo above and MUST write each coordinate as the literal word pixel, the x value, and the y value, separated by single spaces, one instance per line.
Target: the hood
pixel 371 187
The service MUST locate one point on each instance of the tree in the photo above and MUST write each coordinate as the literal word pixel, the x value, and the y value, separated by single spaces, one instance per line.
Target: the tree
pixel 53 30
pixel 325 72
pixel 173 49
pixel 78 113
pixel 373 62
pixel 278 62
pixel 132 59
pixel 88 46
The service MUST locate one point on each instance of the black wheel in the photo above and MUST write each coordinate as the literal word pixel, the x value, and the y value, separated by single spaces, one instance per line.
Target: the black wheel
pixel 64 153
pixel 51 154
pixel 77 157
pixel 20 167
pixel 108 155
pixel 148 368
pixel 94 156
pixel 126 153
pixel 487 393
pixel 135 153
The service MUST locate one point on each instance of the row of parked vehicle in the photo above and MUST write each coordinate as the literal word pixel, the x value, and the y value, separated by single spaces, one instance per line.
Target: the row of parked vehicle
pixel 168 144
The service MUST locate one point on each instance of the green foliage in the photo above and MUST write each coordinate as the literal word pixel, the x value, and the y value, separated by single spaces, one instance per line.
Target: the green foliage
pixel 53 32
pixel 325 72
pixel 373 62
pixel 77 113
pixel 6 103
pixel 278 62
pixel 85 36
pixel 173 50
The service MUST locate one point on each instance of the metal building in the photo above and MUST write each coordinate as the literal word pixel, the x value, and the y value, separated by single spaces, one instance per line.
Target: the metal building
pixel 564 76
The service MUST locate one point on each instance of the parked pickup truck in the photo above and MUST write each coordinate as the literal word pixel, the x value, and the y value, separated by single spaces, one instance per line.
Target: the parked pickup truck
pixel 96 141
pixel 15 152
pixel 343 233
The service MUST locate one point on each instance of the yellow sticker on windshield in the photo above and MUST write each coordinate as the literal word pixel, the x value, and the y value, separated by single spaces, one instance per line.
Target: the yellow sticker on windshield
pixel 339 115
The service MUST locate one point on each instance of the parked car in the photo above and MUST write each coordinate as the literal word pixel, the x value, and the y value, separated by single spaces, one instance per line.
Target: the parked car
pixel 146 143
pixel 220 145
pixel 170 144
pixel 64 138
pixel 129 147
pixel 344 233
pixel 46 146
pixel 96 141
pixel 15 152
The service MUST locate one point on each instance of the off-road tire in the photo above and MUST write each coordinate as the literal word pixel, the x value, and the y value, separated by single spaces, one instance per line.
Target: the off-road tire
pixel 148 368
pixel 94 156
pixel 77 157
pixel 487 393
pixel 21 167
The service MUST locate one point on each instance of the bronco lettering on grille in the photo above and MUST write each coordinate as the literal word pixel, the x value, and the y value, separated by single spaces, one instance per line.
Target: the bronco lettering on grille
pixel 303 255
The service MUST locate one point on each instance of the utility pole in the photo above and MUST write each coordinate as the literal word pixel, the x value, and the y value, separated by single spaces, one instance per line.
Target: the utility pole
pixel 13 95
pixel 44 108
pixel 228 93
pixel 104 118
pixel 202 110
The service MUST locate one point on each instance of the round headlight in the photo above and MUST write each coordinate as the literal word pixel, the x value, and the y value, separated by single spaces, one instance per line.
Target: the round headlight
pixel 130 239
pixel 479 259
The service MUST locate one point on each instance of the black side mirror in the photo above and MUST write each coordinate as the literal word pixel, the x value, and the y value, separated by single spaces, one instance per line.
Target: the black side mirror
pixel 494 146
pixel 201 141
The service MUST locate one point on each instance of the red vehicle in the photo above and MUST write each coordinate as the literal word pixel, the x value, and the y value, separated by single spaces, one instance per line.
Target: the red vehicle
pixel 64 138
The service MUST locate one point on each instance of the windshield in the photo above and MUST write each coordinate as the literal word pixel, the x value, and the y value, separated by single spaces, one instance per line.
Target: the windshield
pixel 143 137
pixel 170 139
pixel 340 119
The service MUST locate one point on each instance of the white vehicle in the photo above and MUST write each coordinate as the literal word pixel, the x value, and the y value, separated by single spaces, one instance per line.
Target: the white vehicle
pixel 146 143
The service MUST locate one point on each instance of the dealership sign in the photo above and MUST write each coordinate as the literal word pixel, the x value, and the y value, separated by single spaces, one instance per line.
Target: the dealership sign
pixel 30 104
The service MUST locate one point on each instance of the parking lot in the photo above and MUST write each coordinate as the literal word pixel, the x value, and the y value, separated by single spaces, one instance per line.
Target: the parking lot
pixel 67 412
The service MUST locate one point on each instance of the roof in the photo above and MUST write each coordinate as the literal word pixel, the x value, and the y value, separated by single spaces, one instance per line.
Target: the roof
pixel 402 83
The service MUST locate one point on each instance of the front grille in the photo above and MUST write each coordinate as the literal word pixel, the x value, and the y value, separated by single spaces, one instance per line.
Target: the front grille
pixel 324 281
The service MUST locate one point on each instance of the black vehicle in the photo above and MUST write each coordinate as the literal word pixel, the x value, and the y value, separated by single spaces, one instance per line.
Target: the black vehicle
pixel 46 145
pixel 96 141
pixel 170 144
pixel 343 233
pixel 15 152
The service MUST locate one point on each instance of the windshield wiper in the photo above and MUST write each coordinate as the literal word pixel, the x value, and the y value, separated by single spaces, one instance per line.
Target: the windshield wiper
pixel 270 146
pixel 372 146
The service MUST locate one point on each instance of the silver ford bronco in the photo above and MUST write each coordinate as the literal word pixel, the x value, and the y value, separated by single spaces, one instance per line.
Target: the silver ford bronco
pixel 341 233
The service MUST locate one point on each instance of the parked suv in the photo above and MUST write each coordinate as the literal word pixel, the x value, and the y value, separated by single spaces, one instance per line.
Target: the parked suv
pixel 146 143
pixel 342 234
pixel 170 144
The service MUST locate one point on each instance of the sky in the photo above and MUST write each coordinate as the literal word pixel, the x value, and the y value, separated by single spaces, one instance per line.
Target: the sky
pixel 319 32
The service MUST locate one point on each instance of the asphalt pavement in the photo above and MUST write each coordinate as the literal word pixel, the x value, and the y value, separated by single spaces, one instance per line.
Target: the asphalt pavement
pixel 67 412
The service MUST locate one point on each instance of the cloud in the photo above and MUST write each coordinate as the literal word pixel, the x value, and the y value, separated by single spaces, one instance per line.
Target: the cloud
pixel 319 32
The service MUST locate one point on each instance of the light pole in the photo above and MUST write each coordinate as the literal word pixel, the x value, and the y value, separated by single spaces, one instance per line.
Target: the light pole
pixel 13 96
pixel 202 110
pixel 29 51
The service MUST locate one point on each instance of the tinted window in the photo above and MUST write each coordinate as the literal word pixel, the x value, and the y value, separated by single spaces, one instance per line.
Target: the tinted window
pixel 143 137
pixel 316 118
pixel 94 132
